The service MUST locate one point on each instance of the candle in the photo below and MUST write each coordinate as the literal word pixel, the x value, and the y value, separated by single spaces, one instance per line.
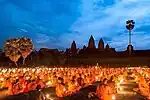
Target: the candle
pixel 113 97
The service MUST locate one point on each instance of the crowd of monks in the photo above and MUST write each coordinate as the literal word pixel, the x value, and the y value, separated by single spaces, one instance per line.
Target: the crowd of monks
pixel 68 81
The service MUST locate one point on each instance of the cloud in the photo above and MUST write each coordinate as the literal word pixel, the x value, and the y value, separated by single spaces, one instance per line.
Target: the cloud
pixel 57 24
pixel 45 41
pixel 108 21
pixel 42 38
pixel 23 30
pixel 121 42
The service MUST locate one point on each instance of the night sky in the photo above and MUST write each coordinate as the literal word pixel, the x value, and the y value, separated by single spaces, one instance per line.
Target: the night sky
pixel 56 23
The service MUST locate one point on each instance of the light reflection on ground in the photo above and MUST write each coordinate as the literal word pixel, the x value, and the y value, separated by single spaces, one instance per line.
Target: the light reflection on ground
pixel 127 92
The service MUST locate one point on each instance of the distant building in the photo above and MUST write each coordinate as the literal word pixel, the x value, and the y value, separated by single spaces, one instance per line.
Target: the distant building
pixel 73 46
pixel 84 47
pixel 107 47
pixel 87 55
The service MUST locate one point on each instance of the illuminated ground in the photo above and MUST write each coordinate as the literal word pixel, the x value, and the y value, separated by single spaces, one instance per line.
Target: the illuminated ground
pixel 126 93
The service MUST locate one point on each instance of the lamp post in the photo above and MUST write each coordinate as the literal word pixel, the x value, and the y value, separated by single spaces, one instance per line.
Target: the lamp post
pixel 129 27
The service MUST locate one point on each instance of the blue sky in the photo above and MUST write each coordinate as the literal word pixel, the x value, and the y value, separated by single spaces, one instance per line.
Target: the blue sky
pixel 56 23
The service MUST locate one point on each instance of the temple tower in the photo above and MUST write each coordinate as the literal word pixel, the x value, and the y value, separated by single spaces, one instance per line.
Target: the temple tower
pixel 84 47
pixel 101 44
pixel 91 43
pixel 73 46
pixel 107 47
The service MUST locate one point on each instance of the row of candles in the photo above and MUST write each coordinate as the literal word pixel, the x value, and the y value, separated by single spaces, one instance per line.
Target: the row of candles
pixel 3 70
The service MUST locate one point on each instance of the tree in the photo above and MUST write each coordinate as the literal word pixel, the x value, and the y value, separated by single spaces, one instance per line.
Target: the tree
pixel 11 50
pixel 25 47
pixel 17 47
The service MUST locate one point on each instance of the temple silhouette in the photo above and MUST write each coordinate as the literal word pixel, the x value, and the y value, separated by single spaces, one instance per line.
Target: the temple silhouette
pixel 88 55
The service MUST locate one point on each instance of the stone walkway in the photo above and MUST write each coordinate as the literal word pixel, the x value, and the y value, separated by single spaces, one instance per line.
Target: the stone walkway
pixel 127 93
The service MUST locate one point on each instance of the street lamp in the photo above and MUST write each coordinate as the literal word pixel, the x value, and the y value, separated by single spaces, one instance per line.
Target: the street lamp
pixel 129 27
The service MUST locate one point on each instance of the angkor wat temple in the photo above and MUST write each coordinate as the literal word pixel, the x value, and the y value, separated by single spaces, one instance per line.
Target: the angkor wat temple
pixel 85 56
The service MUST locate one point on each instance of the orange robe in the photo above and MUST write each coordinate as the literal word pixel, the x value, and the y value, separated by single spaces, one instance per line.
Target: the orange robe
pixel 32 86
pixel 104 92
pixel 10 88
pixel 60 90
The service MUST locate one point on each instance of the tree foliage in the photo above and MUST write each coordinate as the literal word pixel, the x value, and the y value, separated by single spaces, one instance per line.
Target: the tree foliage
pixel 25 47
pixel 11 50
pixel 17 47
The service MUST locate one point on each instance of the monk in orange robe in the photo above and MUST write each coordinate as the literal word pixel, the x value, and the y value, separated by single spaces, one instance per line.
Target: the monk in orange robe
pixel 104 91
pixel 61 89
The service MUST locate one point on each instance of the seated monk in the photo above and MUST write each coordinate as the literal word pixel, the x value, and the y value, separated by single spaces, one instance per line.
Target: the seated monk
pixel 144 90
pixel 143 87
pixel 25 87
pixel 104 91
pixel 54 81
pixel 149 92
pixel 111 83
pixel 60 89
pixel 32 85
pixel 41 84
pixel 80 81
pixel 72 87
pixel 10 88
pixel 17 88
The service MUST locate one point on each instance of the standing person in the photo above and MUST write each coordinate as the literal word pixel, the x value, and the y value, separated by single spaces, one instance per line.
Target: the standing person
pixel 61 89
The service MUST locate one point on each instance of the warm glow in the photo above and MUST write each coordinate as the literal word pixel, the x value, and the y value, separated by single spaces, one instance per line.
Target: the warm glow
pixel 118 84
pixel 45 74
pixel 47 96
pixel 113 97
pixel 49 83
pixel 1 79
